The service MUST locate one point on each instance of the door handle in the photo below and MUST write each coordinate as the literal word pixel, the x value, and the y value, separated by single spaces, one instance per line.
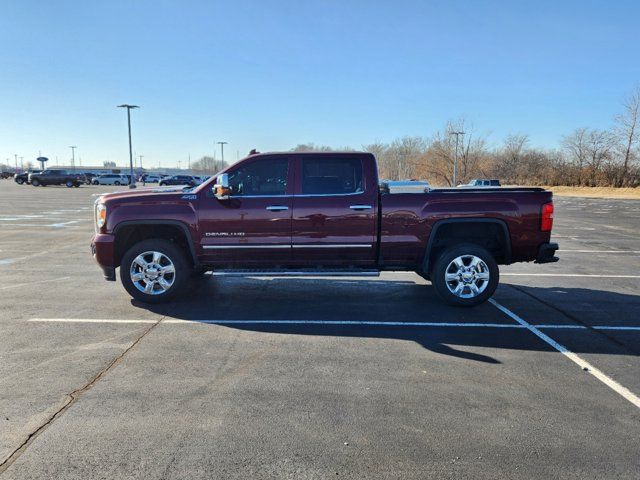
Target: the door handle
pixel 277 208
pixel 360 207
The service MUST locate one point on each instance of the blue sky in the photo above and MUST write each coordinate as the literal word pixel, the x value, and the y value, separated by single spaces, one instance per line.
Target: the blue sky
pixel 271 74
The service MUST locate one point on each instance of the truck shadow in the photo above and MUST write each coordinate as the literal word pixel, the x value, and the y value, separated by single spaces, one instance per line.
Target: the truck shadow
pixel 386 301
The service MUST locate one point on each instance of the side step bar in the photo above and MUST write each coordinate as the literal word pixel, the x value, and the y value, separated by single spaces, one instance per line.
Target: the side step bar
pixel 295 273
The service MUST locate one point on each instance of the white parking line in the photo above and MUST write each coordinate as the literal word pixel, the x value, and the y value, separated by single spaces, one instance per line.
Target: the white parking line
pixel 334 322
pixel 608 381
pixel 599 251
pixel 17 285
pixel 586 275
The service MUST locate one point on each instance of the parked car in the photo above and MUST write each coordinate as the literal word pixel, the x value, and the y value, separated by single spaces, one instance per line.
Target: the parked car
pixel 5 175
pixel 55 177
pixel 179 180
pixel 88 177
pixel 22 178
pixel 319 213
pixel 481 183
pixel 111 179
pixel 150 178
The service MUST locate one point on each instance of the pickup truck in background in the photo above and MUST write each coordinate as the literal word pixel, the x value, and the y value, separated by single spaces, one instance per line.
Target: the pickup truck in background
pixel 298 214
pixel 55 177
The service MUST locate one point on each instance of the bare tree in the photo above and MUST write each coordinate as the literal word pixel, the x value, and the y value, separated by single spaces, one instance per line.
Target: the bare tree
pixel 626 131
pixel 208 165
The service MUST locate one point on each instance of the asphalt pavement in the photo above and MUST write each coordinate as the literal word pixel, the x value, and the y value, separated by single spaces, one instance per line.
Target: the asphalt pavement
pixel 254 378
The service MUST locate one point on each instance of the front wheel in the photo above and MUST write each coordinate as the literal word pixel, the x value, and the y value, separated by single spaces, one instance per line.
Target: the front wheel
pixel 19 181
pixel 69 183
pixel 154 271
pixel 116 183
pixel 465 275
pixel 35 183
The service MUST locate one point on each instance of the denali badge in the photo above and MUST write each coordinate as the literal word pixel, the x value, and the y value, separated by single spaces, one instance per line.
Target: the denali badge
pixel 224 234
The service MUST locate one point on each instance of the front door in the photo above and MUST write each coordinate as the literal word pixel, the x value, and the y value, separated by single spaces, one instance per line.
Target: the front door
pixel 253 226
pixel 334 212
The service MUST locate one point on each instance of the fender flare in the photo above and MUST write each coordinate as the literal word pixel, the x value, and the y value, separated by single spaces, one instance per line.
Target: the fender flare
pixel 174 223
pixel 447 221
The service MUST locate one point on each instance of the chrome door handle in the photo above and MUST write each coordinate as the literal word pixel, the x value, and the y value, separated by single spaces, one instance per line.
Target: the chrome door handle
pixel 360 207
pixel 277 208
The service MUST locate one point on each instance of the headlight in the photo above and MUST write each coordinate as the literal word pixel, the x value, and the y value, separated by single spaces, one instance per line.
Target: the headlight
pixel 101 215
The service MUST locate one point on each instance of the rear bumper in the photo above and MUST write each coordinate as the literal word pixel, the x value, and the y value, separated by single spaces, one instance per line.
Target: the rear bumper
pixel 102 249
pixel 546 253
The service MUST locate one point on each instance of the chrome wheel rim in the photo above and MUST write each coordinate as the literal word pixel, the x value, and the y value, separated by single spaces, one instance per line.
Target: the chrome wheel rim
pixel 467 276
pixel 152 273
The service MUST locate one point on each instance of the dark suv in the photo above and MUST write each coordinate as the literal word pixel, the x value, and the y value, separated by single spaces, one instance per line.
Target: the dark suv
pixel 22 178
pixel 56 177
pixel 179 180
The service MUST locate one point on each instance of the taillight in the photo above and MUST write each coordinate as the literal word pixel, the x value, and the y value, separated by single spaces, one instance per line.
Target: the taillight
pixel 546 220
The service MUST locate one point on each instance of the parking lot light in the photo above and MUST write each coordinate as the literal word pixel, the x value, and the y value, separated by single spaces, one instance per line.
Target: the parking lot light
pixel 132 179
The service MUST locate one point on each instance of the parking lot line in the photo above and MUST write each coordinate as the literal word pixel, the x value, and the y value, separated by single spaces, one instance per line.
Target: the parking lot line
pixel 586 366
pixel 380 323
pixel 586 275
pixel 17 285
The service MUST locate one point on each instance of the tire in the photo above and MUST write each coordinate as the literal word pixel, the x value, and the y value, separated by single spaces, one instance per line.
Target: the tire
pixel 116 183
pixel 155 253
pixel 161 184
pixel 467 269
pixel 69 183
pixel 35 182
pixel 76 185
pixel 20 181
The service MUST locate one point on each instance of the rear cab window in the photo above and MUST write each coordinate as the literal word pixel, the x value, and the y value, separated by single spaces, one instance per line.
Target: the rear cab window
pixel 332 176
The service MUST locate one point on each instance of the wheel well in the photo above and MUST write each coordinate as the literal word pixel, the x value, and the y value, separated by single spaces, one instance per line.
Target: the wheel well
pixel 492 235
pixel 129 235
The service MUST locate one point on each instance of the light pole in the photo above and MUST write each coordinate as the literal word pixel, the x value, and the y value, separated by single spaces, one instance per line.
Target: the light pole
pixel 455 161
pixel 132 184
pixel 140 156
pixel 16 157
pixel 222 144
pixel 73 157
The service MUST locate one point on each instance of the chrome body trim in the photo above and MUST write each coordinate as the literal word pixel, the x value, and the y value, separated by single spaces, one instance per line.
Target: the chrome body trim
pixel 295 273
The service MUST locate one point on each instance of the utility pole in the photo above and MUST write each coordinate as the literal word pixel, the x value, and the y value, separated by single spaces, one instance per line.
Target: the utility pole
pixel 189 161
pixel 22 163
pixel 140 156
pixel 16 157
pixel 129 107
pixel 73 157
pixel 222 144
pixel 455 161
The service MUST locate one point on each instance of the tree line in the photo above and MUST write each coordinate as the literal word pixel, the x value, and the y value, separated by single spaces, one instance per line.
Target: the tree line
pixel 586 157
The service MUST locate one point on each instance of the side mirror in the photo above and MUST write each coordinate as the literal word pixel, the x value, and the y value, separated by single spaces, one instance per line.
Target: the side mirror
pixel 221 188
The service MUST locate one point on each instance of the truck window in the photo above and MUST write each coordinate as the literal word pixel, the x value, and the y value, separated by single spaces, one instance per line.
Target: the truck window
pixel 263 178
pixel 331 176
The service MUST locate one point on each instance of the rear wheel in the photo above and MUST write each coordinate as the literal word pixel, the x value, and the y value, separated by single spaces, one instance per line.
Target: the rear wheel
pixel 69 183
pixel 19 181
pixel 465 275
pixel 116 183
pixel 35 182
pixel 154 271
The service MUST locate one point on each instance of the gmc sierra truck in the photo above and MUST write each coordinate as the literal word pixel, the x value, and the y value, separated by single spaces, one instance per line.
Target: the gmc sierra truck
pixel 319 214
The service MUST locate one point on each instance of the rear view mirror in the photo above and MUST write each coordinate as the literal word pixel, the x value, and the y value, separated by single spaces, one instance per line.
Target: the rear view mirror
pixel 221 188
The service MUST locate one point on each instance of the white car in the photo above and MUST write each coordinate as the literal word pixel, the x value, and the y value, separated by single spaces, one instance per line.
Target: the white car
pixel 151 178
pixel 111 179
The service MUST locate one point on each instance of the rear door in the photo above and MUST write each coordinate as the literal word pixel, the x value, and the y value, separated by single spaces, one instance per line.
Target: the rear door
pixel 334 211
pixel 253 226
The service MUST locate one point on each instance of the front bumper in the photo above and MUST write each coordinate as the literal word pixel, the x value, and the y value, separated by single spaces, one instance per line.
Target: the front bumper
pixel 102 249
pixel 546 253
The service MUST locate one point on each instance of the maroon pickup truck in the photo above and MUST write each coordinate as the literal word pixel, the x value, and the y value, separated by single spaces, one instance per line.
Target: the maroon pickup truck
pixel 297 214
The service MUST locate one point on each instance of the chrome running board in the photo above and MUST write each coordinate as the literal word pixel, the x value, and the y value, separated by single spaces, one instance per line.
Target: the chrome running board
pixel 295 273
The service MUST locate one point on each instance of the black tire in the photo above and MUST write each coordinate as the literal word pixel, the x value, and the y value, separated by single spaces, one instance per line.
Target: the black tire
pixel 116 183
pixel 35 182
pixel 444 264
pixel 95 182
pixel 161 184
pixel 19 181
pixel 168 249
pixel 76 185
pixel 69 183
